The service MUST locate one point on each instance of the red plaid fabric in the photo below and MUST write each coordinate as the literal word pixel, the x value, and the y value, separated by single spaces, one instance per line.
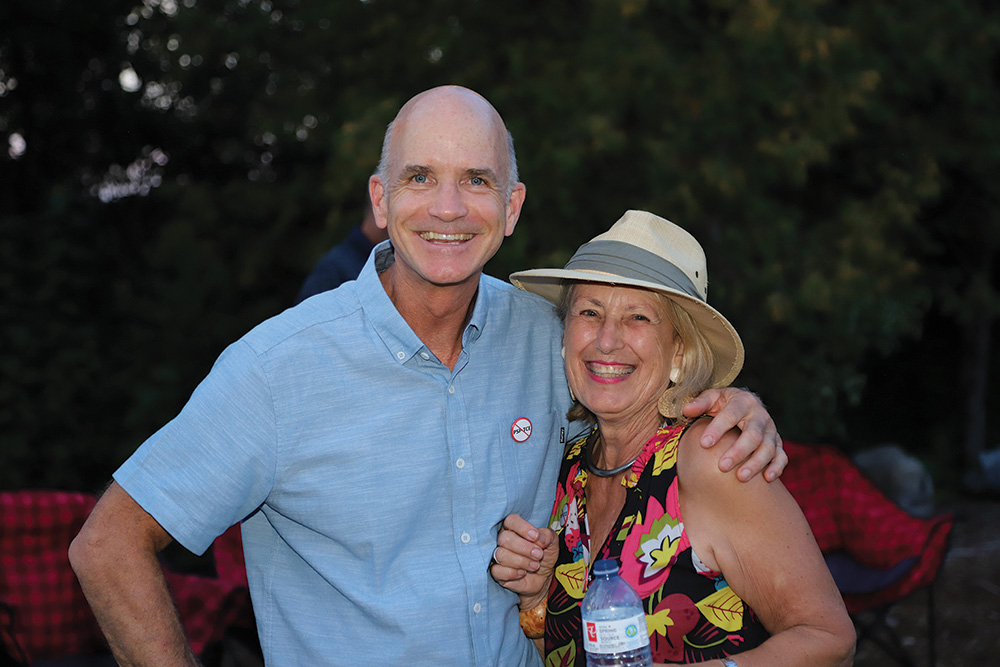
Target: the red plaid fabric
pixel 210 606
pixel 848 514
pixel 51 617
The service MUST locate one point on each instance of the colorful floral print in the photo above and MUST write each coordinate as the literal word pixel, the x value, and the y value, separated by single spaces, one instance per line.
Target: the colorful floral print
pixel 691 612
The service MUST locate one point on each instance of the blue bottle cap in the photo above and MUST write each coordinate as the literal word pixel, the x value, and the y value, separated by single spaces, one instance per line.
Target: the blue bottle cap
pixel 606 567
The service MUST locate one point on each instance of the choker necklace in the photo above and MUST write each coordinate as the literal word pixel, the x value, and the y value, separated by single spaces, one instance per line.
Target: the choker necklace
pixel 603 472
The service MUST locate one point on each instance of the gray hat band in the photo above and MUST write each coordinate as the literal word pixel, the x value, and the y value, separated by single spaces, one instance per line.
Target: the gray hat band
pixel 632 262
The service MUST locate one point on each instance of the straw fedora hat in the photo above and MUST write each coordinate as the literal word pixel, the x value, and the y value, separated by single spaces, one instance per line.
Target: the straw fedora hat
pixel 647 251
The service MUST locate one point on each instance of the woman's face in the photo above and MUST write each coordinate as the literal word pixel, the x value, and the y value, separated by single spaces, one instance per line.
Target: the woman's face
pixel 620 348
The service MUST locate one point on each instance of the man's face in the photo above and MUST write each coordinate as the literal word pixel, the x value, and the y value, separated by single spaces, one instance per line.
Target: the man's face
pixel 445 200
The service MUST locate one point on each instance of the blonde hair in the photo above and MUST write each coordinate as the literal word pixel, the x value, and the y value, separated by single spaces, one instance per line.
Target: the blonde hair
pixel 697 362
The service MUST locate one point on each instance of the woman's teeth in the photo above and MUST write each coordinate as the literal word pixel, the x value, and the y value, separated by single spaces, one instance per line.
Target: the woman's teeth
pixel 609 371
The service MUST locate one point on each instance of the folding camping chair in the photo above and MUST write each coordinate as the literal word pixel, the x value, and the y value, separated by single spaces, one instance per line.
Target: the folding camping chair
pixel 49 615
pixel 877 553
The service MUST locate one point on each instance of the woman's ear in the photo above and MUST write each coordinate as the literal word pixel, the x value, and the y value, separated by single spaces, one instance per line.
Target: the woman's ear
pixel 677 362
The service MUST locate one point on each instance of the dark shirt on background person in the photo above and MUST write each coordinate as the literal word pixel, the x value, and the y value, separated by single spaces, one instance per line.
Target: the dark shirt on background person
pixel 343 261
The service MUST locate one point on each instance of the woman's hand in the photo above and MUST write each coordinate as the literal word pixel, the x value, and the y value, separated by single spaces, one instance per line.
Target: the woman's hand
pixel 759 444
pixel 524 559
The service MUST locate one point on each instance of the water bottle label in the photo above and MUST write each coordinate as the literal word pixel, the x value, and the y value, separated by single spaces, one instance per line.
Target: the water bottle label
pixel 615 636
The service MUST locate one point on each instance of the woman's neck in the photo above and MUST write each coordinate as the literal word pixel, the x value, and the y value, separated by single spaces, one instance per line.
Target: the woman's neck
pixel 622 441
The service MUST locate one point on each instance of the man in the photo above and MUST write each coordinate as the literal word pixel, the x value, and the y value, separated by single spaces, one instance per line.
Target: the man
pixel 344 261
pixel 371 439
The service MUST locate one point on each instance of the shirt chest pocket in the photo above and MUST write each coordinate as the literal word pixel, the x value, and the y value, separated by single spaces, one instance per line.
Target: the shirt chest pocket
pixel 529 446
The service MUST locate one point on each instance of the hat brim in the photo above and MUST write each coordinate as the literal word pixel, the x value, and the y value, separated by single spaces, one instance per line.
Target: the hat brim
pixel 720 334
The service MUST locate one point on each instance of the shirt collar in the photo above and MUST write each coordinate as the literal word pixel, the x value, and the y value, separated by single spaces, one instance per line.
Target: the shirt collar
pixel 399 339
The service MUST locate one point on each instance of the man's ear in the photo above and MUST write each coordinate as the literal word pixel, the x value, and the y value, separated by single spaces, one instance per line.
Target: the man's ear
pixel 380 204
pixel 514 205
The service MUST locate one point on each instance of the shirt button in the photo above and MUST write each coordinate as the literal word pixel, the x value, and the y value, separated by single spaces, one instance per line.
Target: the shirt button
pixel 460 463
pixel 400 355
pixel 477 607
pixel 465 538
pixel 451 389
pixel 425 356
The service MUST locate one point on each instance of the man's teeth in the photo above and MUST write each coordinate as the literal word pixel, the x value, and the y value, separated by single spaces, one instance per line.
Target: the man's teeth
pixel 605 371
pixel 445 238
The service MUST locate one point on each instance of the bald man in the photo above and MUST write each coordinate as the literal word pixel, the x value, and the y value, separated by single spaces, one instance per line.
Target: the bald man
pixel 372 439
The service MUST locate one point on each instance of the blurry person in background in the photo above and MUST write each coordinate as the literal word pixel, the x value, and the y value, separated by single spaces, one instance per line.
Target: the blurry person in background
pixel 345 260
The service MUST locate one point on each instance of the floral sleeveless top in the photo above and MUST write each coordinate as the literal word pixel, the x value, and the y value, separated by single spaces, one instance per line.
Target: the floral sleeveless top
pixel 691 612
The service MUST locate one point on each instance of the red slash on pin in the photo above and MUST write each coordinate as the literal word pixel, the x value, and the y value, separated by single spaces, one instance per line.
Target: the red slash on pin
pixel 520 430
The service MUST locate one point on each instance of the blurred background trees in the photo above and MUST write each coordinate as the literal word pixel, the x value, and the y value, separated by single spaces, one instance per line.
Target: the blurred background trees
pixel 173 168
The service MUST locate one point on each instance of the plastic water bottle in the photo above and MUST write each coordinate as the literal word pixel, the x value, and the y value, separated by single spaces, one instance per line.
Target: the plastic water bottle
pixel 614 623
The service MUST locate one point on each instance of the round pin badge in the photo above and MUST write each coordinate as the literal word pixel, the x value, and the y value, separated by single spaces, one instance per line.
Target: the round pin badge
pixel 520 430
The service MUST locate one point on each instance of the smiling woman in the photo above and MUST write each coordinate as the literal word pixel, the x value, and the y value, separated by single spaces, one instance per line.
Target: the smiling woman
pixel 697 545
pixel 621 351
pixel 691 372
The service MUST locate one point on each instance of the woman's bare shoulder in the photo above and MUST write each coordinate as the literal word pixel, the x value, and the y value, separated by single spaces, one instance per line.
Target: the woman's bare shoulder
pixel 700 465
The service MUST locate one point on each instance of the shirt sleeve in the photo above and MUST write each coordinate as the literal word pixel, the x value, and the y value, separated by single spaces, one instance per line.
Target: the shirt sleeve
pixel 213 464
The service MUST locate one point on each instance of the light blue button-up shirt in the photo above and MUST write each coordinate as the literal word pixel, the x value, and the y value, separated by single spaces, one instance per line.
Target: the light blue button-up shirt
pixel 369 477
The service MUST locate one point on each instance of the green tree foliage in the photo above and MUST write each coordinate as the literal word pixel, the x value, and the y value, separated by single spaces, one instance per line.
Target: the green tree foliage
pixel 65 122
pixel 185 162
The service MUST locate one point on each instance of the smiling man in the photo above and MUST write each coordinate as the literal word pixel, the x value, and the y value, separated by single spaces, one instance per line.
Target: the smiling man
pixel 371 439
pixel 447 190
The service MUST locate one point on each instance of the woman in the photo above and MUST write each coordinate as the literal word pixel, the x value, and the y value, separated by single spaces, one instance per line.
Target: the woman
pixel 723 567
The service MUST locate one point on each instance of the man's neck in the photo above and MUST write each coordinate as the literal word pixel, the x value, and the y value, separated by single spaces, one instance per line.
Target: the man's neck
pixel 437 314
